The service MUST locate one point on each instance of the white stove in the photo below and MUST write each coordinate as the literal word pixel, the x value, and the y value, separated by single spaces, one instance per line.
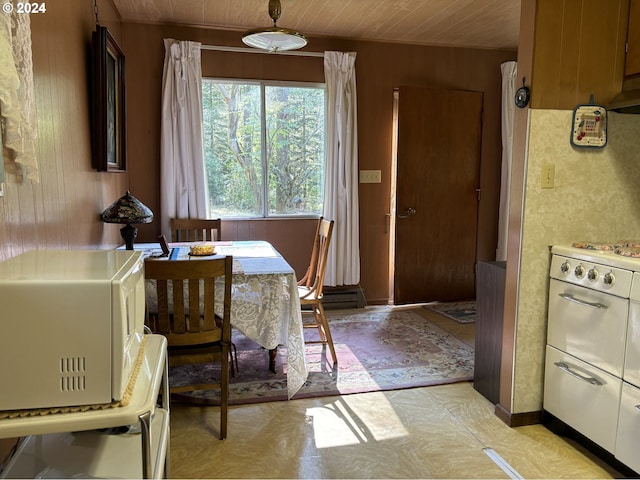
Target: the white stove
pixel 592 371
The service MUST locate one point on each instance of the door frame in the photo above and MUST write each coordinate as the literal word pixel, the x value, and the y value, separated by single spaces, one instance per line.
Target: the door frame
pixel 391 224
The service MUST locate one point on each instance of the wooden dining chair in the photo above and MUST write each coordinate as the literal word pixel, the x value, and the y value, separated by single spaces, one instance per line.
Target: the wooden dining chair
pixel 310 286
pixel 195 229
pixel 185 314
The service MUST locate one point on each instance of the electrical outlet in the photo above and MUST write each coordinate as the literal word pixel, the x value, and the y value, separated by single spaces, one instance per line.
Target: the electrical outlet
pixel 548 175
pixel 2 189
pixel 370 176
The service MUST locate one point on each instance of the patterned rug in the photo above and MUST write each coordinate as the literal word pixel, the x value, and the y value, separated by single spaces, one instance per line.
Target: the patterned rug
pixel 377 350
pixel 461 312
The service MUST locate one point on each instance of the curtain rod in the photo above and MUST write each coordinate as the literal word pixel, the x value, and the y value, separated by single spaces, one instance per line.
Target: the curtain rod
pixel 221 48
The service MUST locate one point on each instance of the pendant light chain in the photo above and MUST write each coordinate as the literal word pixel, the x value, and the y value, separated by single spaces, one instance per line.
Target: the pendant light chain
pixel 95 10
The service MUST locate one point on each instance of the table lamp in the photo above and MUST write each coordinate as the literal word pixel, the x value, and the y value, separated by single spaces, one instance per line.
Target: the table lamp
pixel 128 209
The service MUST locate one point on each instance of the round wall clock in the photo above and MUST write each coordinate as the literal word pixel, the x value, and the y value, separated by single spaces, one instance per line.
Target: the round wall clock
pixel 522 96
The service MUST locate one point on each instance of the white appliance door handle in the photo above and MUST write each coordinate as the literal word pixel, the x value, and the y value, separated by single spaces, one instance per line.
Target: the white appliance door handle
pixel 571 298
pixel 565 368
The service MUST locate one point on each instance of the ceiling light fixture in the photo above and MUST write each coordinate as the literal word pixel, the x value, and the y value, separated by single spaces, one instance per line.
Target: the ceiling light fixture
pixel 274 39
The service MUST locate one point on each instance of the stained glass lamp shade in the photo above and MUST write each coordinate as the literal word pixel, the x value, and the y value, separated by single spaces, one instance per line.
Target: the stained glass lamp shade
pixel 128 210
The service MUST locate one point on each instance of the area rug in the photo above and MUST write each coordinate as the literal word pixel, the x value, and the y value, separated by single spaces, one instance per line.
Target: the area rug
pixel 377 350
pixel 461 312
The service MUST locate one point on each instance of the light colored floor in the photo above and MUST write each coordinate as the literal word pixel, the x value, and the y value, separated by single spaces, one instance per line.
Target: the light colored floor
pixel 432 432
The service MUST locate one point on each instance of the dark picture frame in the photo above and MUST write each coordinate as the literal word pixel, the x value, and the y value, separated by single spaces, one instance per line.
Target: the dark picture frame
pixel 108 114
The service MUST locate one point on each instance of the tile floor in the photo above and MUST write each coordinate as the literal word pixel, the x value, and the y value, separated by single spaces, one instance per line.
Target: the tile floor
pixel 433 432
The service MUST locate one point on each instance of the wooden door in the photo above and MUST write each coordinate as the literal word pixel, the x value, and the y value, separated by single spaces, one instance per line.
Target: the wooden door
pixel 438 164
pixel 632 66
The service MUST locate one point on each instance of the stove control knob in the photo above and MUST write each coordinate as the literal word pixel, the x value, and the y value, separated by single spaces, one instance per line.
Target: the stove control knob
pixel 593 274
pixel 579 271
pixel 565 267
pixel 609 279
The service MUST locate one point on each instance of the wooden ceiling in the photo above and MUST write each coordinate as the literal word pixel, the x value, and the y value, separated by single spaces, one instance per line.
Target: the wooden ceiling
pixel 463 23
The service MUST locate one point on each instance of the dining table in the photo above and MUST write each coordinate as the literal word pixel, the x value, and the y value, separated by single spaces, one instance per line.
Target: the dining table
pixel 265 306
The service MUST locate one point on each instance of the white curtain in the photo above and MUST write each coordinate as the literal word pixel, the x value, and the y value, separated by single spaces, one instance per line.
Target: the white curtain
pixel 17 93
pixel 341 173
pixel 509 72
pixel 183 192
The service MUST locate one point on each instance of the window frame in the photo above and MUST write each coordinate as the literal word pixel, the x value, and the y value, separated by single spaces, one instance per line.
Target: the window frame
pixel 262 84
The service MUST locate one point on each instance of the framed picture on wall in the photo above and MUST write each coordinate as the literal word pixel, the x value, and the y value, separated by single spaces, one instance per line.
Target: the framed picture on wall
pixel 108 115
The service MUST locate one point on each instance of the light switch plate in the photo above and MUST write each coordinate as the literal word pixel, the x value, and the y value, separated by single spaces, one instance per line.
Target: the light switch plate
pixel 548 175
pixel 370 176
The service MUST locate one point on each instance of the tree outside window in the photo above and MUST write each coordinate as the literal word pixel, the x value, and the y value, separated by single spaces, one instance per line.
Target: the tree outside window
pixel 264 148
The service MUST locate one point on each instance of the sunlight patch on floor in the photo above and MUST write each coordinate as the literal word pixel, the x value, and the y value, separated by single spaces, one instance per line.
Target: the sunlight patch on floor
pixel 340 422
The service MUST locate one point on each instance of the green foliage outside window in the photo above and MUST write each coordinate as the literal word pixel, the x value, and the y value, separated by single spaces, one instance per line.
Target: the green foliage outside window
pixel 263 145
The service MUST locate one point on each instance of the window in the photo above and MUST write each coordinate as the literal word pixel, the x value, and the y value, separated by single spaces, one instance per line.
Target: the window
pixel 263 148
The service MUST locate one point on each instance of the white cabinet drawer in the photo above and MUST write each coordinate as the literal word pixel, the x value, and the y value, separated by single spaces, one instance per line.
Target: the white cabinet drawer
pixel 628 438
pixel 582 396
pixel 588 324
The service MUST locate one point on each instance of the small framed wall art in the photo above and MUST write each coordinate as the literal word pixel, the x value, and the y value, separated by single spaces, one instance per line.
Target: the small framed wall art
pixel 589 126
pixel 107 103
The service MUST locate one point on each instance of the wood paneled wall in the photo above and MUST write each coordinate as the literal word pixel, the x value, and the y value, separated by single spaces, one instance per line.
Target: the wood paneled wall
pixel 632 63
pixel 62 210
pixel 579 51
pixel 380 68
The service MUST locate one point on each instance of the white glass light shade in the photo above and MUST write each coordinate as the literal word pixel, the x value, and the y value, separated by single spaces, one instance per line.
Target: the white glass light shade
pixel 274 39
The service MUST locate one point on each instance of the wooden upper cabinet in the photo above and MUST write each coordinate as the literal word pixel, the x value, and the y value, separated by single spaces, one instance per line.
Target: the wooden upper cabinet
pixel 632 66
pixel 579 51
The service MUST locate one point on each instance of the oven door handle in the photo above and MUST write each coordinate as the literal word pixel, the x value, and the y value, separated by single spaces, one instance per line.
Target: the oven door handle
pixel 565 368
pixel 571 298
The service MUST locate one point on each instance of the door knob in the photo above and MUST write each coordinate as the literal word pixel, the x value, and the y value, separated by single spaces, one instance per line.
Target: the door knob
pixel 410 211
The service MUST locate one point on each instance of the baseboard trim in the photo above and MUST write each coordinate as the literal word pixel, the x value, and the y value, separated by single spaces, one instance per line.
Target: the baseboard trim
pixel 517 419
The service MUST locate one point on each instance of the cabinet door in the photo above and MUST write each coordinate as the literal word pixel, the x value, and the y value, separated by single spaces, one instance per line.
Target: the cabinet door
pixel 579 51
pixel 488 351
pixel 633 40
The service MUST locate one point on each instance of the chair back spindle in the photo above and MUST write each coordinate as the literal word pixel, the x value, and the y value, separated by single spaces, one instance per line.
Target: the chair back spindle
pixel 195 230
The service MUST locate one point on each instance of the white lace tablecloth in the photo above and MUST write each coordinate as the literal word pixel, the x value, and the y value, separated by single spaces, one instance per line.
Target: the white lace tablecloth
pixel 265 305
